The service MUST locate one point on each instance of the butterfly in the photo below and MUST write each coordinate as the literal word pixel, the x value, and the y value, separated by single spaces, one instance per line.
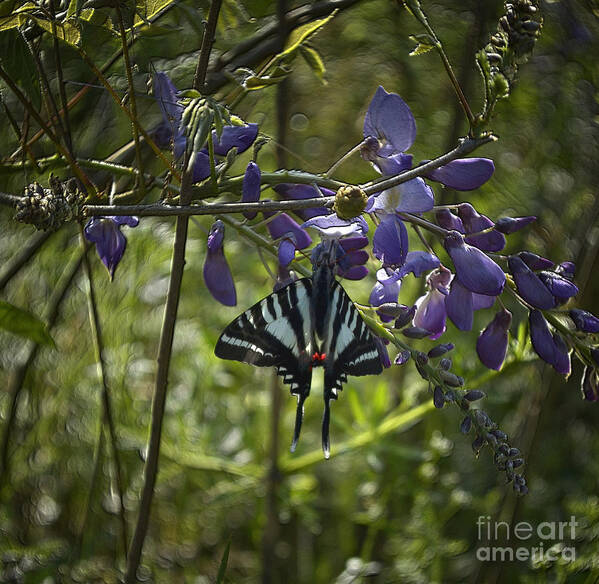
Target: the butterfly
pixel 309 323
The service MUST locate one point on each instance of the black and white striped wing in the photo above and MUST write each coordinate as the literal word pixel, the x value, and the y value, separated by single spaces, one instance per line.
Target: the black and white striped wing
pixel 350 349
pixel 277 331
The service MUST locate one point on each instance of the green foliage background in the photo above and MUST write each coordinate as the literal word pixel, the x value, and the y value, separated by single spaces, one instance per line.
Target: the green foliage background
pixel 399 500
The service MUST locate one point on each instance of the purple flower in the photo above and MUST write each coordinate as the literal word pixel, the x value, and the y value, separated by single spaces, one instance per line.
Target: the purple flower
pixel 171 131
pixel 534 261
pixel 217 274
pixel 529 285
pixel 332 227
pixel 566 269
pixel 390 241
pixel 105 232
pixel 550 347
pixel 491 345
pixel 295 192
pixel 250 190
pixel 390 130
pixel 590 384
pixel 384 294
pixel 464 174
pixel 584 321
pixel 351 258
pixel 390 121
pixel 430 308
pixel 291 236
pixel 473 223
pixel 417 262
pixel 509 225
pixel 561 288
pixel 459 305
pixel 475 270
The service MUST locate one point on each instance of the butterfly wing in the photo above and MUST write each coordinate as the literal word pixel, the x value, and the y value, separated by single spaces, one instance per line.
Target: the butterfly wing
pixel 350 350
pixel 277 331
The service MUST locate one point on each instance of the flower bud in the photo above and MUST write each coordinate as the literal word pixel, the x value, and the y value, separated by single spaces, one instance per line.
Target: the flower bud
pixel 350 201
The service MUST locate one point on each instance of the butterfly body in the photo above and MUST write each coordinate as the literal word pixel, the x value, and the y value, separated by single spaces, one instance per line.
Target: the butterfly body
pixel 309 323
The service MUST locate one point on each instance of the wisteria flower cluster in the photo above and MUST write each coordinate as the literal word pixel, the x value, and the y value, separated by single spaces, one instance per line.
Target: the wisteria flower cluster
pixel 466 271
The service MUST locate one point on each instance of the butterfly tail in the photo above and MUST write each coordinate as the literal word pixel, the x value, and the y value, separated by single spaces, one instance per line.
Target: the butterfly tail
pixel 299 416
pixel 326 417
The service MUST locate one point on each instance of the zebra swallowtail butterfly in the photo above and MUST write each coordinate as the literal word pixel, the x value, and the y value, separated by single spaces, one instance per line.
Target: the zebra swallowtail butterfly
pixel 309 323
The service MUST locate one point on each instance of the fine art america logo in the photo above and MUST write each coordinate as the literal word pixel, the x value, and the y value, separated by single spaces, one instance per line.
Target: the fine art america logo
pixel 522 542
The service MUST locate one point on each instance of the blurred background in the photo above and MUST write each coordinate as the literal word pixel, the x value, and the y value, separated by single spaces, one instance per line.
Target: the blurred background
pixel 400 498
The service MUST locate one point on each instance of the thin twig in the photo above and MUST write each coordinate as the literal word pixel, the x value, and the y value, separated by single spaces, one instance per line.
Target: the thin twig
pixel 199 80
pixel 165 345
pixel 132 98
pixel 106 398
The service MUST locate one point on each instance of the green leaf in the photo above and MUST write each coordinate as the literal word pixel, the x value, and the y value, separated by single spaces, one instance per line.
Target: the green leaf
pixel 65 31
pixel 425 43
pixel 254 82
pixel 301 34
pixel 315 62
pixel 19 64
pixel 24 324
pixel 220 578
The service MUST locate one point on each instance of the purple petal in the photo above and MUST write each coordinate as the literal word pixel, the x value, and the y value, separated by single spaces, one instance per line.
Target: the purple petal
pixel 250 190
pixel 491 345
pixel 240 137
pixel 551 348
pixel 464 174
pixel 590 385
pixel 562 355
pixel 419 262
pixel 289 191
pixel 534 261
pixel 283 225
pixel 349 244
pixel 390 241
pixel 216 236
pixel 128 220
pixel 458 305
pixel 584 321
pixel 217 274
pixel 353 273
pixel 331 226
pixel 389 119
pixel 509 225
pixel 201 166
pixel 446 219
pixel 165 93
pixel 566 269
pixel 383 353
pixel 218 278
pixel 402 357
pixel 473 222
pixel 430 313
pixel 560 287
pixel 475 270
pixel 381 294
pixel 389 165
pixel 529 285
pixel 110 242
pixel 480 301
pixel 413 196
pixel 286 252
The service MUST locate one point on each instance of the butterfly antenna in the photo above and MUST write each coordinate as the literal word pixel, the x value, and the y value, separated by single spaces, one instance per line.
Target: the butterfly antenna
pixel 299 416
pixel 326 445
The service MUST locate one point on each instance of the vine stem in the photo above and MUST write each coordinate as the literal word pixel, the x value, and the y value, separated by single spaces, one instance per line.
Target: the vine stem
pixel 106 397
pixel 132 98
pixel 167 333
